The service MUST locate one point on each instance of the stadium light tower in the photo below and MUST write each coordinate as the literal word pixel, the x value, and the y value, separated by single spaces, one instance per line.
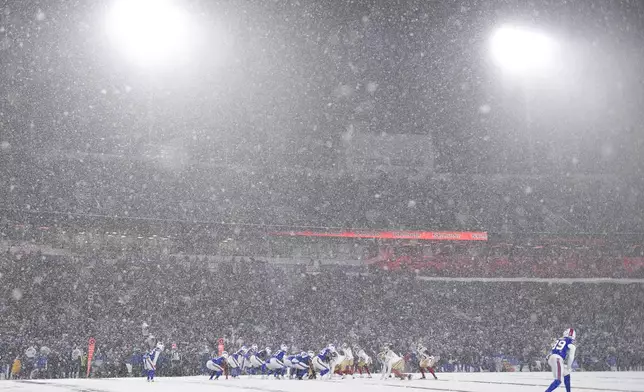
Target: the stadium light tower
pixel 526 56
pixel 156 36
pixel 150 33
pixel 523 52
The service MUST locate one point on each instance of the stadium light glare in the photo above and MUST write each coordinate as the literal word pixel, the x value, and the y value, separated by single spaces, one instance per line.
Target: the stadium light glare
pixel 150 33
pixel 523 51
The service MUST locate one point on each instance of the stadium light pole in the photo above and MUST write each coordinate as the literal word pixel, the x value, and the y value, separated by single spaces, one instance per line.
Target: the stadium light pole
pixel 526 55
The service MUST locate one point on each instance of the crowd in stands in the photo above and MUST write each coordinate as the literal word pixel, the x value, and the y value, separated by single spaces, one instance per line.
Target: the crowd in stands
pixel 59 302
pixel 603 257
pixel 514 262
pixel 193 192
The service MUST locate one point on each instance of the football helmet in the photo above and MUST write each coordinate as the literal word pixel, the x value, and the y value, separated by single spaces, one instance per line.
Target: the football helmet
pixel 570 333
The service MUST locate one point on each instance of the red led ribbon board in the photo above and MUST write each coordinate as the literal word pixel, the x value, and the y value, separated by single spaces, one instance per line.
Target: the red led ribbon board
pixel 393 235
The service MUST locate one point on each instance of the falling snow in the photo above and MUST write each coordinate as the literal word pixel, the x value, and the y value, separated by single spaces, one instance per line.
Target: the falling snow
pixel 16 294
pixel 380 174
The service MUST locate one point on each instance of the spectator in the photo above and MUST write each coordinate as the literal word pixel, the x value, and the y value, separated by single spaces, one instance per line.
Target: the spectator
pixel 175 361
pixel 462 325
pixel 75 362
pixel 16 368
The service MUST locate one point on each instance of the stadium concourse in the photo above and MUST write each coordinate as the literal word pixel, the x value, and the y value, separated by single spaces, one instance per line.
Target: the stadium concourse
pixel 455 382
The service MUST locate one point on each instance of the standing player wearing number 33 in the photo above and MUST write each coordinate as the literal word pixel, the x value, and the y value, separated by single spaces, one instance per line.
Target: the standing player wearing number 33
pixel 561 358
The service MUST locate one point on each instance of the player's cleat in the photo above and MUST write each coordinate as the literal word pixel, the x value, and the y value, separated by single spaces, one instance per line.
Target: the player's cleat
pixel 409 377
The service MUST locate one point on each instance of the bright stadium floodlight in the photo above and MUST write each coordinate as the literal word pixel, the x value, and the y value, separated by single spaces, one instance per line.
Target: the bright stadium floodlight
pixel 523 51
pixel 151 33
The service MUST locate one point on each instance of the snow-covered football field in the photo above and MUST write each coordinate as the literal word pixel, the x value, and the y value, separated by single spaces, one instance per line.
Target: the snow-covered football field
pixel 455 382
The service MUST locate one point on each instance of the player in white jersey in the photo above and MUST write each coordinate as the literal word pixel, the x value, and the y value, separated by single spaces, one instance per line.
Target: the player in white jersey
pixel 392 363
pixel 364 361
pixel 346 364
pixel 561 358
pixel 335 361
pixel 425 361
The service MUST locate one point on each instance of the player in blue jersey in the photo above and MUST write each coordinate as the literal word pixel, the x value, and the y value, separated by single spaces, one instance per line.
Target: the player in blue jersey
pixel 239 357
pixel 275 364
pixel 254 360
pixel 217 366
pixel 150 361
pixel 301 364
pixel 241 353
pixel 561 358
pixel 297 365
pixel 288 364
pixel 235 361
pixel 322 361
pixel 263 356
pixel 234 364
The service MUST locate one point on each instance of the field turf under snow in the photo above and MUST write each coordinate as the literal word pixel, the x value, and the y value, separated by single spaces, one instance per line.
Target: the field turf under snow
pixel 455 382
